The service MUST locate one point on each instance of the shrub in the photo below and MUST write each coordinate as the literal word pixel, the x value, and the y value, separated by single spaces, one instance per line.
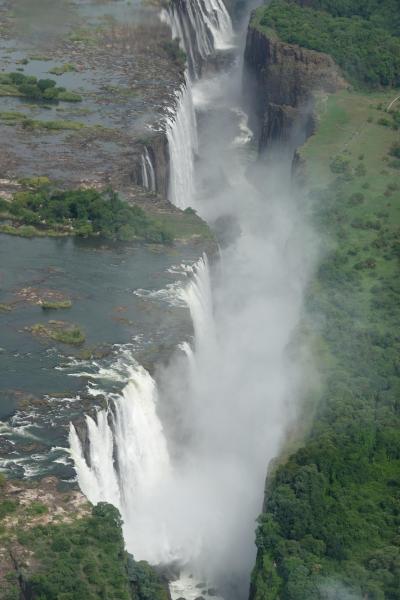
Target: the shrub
pixel 394 164
pixel 37 508
pixel 7 507
pixel 340 164
pixel 30 90
pixel 175 52
pixel 44 84
pixel 356 198
pixel 395 150
pixel 360 170
pixel 44 89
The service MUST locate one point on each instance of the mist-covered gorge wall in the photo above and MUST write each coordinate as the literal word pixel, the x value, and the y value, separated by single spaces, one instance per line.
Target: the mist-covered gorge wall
pixel 279 82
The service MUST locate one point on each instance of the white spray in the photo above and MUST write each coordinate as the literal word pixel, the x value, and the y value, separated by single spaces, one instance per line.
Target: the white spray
pixel 191 466
pixel 181 132
pixel 201 28
pixel 148 173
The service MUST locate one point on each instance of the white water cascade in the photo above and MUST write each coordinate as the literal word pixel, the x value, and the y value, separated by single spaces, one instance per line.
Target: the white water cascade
pixel 127 462
pixel 201 28
pixel 181 129
pixel 148 173
pixel 187 471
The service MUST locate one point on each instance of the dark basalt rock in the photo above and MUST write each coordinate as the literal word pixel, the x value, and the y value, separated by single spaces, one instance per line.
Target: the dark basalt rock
pixel 280 81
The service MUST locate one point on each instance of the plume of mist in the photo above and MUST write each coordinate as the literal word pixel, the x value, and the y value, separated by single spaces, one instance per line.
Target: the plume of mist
pixel 227 416
pixel 227 403
pixel 335 590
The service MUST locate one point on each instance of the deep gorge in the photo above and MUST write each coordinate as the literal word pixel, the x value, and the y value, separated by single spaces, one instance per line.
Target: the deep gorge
pixel 137 457
pixel 212 200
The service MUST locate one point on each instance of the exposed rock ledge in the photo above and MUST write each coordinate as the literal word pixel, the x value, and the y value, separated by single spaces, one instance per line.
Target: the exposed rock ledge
pixel 280 81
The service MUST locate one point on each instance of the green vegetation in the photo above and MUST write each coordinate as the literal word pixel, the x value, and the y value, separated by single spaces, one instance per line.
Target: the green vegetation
pixel 58 125
pixel 7 507
pixel 89 36
pixel 28 231
pixel 15 118
pixel 123 91
pixel 84 213
pixel 175 52
pixel 36 181
pixel 11 116
pixel 59 332
pixel 40 57
pixel 383 14
pixel 85 559
pixel 19 118
pixel 55 305
pixel 5 307
pixel 362 37
pixel 145 583
pixel 65 68
pixel 44 211
pixel 332 511
pixel 82 559
pixel 37 90
pixel 185 225
pixel 36 509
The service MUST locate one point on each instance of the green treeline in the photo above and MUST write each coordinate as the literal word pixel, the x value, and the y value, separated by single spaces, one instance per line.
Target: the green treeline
pixel 83 560
pixel 384 14
pixel 332 511
pixel 83 212
pixel 362 37
pixel 28 86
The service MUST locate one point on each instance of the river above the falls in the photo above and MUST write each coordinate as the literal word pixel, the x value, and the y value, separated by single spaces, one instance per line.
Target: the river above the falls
pixel 125 299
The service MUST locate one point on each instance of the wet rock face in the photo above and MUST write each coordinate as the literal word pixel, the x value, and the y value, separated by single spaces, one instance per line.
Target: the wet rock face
pixel 156 147
pixel 280 80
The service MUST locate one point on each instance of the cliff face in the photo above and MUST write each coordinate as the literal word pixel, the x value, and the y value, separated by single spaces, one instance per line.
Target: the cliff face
pixel 157 148
pixel 280 80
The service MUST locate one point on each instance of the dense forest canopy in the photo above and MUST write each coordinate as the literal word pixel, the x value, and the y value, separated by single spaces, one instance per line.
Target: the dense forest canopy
pixel 331 521
pixel 85 212
pixel 385 14
pixel 363 38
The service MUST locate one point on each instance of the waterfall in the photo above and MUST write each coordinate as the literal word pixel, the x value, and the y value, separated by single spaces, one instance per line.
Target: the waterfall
pixel 188 472
pixel 127 462
pixel 181 132
pixel 127 458
pixel 198 297
pixel 148 173
pixel 201 26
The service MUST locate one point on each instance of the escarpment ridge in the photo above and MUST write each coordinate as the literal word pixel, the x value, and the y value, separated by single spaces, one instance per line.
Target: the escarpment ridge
pixel 280 80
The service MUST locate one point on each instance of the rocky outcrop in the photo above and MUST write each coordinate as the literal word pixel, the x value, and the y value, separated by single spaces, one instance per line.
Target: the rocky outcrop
pixel 280 81
pixel 158 152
